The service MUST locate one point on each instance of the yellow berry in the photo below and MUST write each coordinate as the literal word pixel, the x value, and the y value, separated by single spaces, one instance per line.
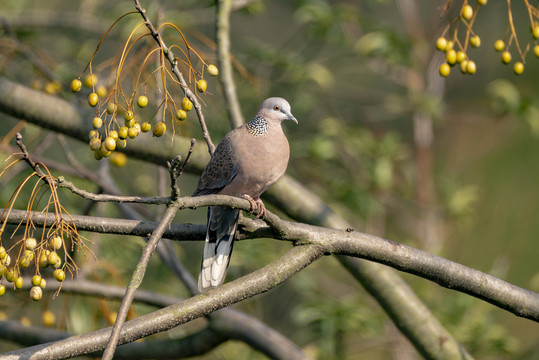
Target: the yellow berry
pixel 19 282
pixel 121 143
pixel 93 99
pixel 445 69
pixel 181 114
pixel 52 87
pixel 536 50
pixel 2 290
pixel 53 258
pixel 449 46
pixel 97 122
pixel 111 108
pixel 43 259
pixel 186 104
pixel 142 101
pixel 145 127
pixel 470 67
pixel 114 134
pixel 118 159
pixel 212 70
pixel 461 56
pixel 475 41
pixel 3 253
pixel 92 134
pixel 128 115
pixel 499 45
pixel 202 85
pixel 535 32
pixel 10 275
pixel 482 2
pixel 36 280
pixel 90 80
pixel 101 91
pixel 122 133
pixel 506 57
pixel 59 275
pixel 43 283
pixel 159 129
pixel 441 43
pixel 518 68
pixel 95 143
pixel 132 132
pixel 76 85
pixel 48 318
pixel 30 243
pixel 467 12
pixel 36 293
pixel 110 143
pixel 451 57
pixel 55 242
pixel 103 151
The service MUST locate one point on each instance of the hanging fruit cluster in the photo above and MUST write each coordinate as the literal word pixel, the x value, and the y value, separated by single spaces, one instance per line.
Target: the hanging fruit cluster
pixel 455 45
pixel 118 107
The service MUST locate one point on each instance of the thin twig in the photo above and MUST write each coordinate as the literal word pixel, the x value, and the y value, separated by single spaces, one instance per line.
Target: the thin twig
pixel 179 76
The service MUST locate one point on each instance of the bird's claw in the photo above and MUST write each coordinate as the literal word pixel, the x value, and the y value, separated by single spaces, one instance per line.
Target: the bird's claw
pixel 256 206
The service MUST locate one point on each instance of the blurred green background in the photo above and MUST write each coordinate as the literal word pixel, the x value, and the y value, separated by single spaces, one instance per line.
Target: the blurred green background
pixel 447 165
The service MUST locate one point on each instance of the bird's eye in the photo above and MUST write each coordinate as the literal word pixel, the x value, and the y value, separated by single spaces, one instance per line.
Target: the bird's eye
pixel 276 108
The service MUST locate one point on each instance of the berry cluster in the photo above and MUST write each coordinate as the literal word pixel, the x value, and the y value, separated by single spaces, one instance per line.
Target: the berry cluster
pixel 109 134
pixel 456 51
pixel 31 252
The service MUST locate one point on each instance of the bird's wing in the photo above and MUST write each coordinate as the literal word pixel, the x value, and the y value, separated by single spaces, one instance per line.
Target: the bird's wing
pixel 221 169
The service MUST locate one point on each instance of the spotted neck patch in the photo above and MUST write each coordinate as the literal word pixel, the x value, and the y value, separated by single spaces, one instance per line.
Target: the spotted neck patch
pixel 257 127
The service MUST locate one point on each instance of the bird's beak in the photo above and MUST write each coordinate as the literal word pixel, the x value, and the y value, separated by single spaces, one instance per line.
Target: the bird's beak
pixel 292 118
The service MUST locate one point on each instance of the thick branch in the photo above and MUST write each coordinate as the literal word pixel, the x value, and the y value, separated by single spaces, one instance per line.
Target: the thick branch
pixel 250 285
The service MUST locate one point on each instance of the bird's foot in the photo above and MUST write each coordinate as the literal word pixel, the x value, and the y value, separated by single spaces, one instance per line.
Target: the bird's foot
pixel 257 206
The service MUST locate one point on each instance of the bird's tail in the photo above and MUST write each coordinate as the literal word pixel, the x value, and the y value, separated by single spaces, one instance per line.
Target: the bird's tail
pixel 222 224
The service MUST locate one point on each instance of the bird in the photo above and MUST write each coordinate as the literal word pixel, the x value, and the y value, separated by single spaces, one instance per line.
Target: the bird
pixel 246 162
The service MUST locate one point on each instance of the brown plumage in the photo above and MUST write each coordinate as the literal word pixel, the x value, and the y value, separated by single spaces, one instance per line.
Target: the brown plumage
pixel 246 163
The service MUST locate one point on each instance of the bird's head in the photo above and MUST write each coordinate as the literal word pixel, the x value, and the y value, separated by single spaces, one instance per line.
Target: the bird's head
pixel 277 108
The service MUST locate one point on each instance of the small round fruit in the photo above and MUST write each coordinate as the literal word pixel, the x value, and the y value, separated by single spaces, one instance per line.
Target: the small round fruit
pixel 482 2
pixel 130 123
pixel 95 144
pixel 129 115
pixel 461 56
pixel 43 283
pixel 518 68
pixel 471 67
pixel 467 12
pixel 43 259
pixel 3 253
pixel 536 50
pixel 445 70
pixel 55 242
pixel 122 133
pixel 10 275
pixel 90 80
pixel 121 143
pixel 101 91
pixel 118 159
pixel 132 132
pixel 142 101
pixel 76 85
pixel 451 57
pixel 97 122
pixel 463 66
pixel 499 45
pixel 36 293
pixel 36 280
pixel 145 127
pixel 186 104
pixel 53 258
pixel 30 243
pixel 93 134
pixel 181 114
pixel 19 282
pixel 103 151
pixel 441 43
pixel 159 129
pixel 137 127
pixel 59 275
pixel 450 45
pixel 202 85
pixel 52 87
pixel 506 57
pixel 93 99
pixel 475 41
pixel 48 318
pixel 535 32
pixel 212 70
pixel 2 290
pixel 110 143
pixel 7 260
pixel 114 134
pixel 111 108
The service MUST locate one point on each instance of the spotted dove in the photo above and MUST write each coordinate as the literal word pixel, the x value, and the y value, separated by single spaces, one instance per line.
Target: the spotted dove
pixel 246 163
